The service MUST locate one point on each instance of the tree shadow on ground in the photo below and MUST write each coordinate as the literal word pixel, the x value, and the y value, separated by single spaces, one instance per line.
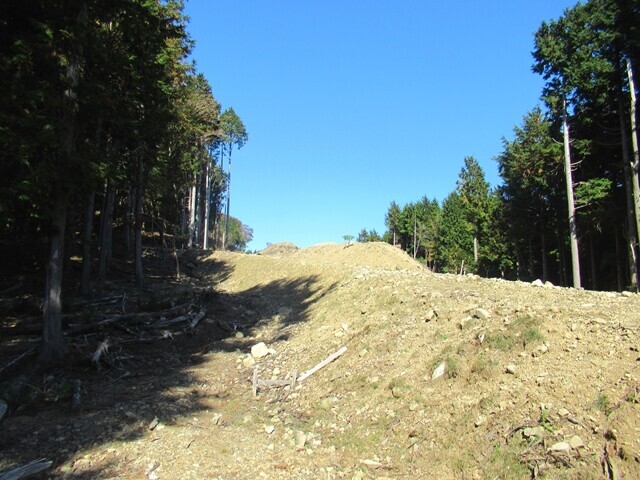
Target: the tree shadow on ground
pixel 148 382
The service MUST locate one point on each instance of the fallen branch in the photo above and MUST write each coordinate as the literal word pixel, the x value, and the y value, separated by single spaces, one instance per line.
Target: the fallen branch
pixel 13 288
pixel 322 364
pixel 258 383
pixel 196 319
pixel 19 357
pixel 75 395
pixel 28 470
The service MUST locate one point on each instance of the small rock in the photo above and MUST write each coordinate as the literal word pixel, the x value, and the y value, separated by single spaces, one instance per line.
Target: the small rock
pixel 511 368
pixel 260 350
pixel 627 294
pixel 430 315
pixel 534 432
pixel 576 442
pixel 480 420
pixel 239 335
pixel 563 412
pixel 248 361
pixel 439 371
pixel 154 423
pixel 269 429
pixel 560 447
pixel 463 322
pixel 397 392
pixel 216 418
pixel 548 284
pixel 481 314
pixel 371 463
pixel 301 439
pixel 537 283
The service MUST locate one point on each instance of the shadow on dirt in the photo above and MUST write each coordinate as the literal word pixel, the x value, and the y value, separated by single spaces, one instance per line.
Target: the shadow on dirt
pixel 148 381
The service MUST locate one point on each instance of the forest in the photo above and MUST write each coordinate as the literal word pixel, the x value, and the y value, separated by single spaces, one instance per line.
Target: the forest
pixel 111 141
pixel 568 209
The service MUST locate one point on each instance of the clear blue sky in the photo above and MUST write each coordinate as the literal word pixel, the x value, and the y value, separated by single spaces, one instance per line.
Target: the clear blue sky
pixel 351 104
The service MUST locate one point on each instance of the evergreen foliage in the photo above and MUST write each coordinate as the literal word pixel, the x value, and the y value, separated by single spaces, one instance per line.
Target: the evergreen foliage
pixel 106 132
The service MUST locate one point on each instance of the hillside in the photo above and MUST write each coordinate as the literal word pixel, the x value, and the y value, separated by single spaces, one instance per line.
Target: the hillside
pixel 534 381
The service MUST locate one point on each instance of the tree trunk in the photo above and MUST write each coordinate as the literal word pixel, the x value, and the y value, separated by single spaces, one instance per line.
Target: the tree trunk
pixel 475 247
pixel 202 201
pixel 139 273
pixel 620 268
pixel 106 230
pixel 571 209
pixel 415 235
pixel 531 268
pixel 85 281
pixel 192 212
pixel 632 232
pixel 52 343
pixel 635 161
pixel 593 263
pixel 207 209
pixel 543 252
pixel 126 230
pixel 72 221
pixel 226 227
pixel 53 346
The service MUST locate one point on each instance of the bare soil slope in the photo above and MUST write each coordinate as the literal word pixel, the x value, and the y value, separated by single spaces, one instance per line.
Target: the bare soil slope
pixel 443 377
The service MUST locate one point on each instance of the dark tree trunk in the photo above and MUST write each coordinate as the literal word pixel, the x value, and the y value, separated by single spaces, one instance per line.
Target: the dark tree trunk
pixel 53 346
pixel 226 227
pixel 593 263
pixel 85 281
pixel 631 233
pixel 620 266
pixel 106 235
pixel 139 273
pixel 543 251
pixel 72 221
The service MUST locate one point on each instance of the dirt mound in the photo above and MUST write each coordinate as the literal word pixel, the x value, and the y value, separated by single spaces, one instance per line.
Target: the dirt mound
pixel 371 254
pixel 279 249
pixel 444 376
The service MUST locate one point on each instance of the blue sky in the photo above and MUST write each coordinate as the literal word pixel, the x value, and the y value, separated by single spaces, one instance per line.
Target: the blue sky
pixel 351 104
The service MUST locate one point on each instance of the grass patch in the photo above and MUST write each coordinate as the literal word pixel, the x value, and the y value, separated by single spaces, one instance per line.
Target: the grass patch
pixel 482 366
pixel 522 332
pixel 504 464
pixel 602 403
pixel 452 367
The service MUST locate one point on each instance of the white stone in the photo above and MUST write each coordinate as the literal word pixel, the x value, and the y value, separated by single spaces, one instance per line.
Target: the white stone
pixel 537 283
pixel 439 371
pixel 481 314
pixel 576 442
pixel 560 447
pixel 260 350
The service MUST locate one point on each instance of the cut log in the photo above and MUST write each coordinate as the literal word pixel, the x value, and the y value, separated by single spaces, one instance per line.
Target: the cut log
pixel 19 357
pixel 322 364
pixel 196 319
pixel 3 409
pixel 28 470
pixel 75 395
pixel 11 289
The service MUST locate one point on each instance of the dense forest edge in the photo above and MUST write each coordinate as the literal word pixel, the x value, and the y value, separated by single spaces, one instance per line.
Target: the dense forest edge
pixel 568 209
pixel 113 142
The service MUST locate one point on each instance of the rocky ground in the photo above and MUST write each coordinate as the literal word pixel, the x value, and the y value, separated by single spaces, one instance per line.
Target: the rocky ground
pixel 443 376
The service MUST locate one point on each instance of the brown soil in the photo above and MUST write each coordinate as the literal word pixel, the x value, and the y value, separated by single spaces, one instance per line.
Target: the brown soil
pixel 515 357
